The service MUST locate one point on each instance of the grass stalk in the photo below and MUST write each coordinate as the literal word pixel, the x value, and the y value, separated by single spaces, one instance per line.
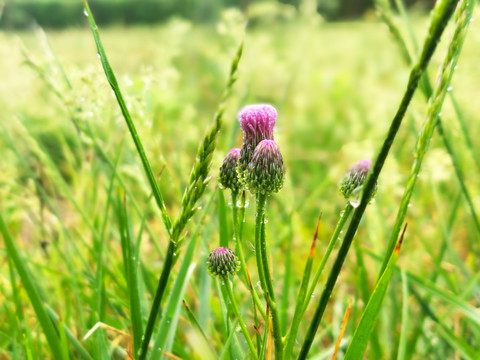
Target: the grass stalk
pixel 440 17
pixel 239 250
pixel 236 311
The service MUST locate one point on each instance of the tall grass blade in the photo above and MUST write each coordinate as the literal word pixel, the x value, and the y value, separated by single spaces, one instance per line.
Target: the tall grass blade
pixel 360 339
pixel 30 287
pixel 128 119
pixel 130 262
pixel 297 316
pixel 463 15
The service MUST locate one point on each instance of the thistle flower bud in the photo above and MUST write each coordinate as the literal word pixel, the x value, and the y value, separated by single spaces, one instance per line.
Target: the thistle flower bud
pixel 222 262
pixel 257 123
pixel 265 172
pixel 352 183
pixel 228 171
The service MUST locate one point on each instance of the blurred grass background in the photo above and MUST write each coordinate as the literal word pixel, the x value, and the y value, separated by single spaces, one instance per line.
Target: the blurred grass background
pixel 336 87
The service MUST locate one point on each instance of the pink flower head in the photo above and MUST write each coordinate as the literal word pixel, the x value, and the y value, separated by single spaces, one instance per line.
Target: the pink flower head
pixel 257 123
pixel 222 262
pixel 352 183
pixel 360 167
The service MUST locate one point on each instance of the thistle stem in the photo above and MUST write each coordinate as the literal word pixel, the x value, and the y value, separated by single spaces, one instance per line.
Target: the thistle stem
pixel 267 283
pixel 239 251
pixel 226 282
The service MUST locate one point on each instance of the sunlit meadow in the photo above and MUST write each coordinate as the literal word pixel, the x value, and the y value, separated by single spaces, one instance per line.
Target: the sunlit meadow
pixel 88 235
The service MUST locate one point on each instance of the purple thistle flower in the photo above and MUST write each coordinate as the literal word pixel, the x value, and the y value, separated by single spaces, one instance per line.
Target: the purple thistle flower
pixel 228 171
pixel 257 123
pixel 352 183
pixel 222 262
pixel 265 172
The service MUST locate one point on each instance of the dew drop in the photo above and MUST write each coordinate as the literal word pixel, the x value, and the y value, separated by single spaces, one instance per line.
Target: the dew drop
pixel 85 13
pixel 99 56
pixel 266 221
pixel 410 205
pixel 199 208
pixel 450 88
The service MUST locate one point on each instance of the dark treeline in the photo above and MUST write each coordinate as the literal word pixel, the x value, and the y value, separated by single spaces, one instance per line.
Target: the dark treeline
pixel 22 14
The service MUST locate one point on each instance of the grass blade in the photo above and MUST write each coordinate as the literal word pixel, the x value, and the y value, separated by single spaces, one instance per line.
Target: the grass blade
pixel 297 317
pixel 131 271
pixel 33 294
pixel 360 339
pixel 128 119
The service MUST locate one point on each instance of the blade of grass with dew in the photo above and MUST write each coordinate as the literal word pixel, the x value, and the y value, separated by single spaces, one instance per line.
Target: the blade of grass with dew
pixel 131 270
pixel 112 80
pixel 401 354
pixel 362 283
pixel 360 338
pixel 462 16
pixel 29 284
pixel 194 322
pixel 297 315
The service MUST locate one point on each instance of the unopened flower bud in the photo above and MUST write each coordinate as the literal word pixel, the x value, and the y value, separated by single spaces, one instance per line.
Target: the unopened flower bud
pixel 222 262
pixel 352 183
pixel 228 171
pixel 265 172
pixel 257 123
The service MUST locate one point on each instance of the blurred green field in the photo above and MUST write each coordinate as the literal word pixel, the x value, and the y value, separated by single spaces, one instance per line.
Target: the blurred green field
pixel 336 87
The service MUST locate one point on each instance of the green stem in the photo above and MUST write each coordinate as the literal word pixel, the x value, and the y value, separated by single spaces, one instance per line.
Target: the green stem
pixel 226 282
pixel 344 215
pixel 441 14
pixel 239 251
pixel 267 283
pixel 261 202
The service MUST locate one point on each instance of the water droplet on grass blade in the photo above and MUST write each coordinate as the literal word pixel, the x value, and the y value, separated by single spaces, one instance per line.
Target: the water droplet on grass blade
pixel 85 13
pixel 450 88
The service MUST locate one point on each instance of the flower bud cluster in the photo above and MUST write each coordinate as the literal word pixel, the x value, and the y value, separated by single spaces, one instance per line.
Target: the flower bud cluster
pixel 259 163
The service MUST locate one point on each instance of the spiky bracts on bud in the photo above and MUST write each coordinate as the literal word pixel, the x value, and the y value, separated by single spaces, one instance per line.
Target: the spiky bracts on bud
pixel 228 171
pixel 265 172
pixel 257 123
pixel 351 184
pixel 222 262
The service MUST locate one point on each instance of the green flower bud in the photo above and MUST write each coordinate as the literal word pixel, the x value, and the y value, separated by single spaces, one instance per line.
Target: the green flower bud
pixel 352 183
pixel 228 171
pixel 222 262
pixel 265 172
